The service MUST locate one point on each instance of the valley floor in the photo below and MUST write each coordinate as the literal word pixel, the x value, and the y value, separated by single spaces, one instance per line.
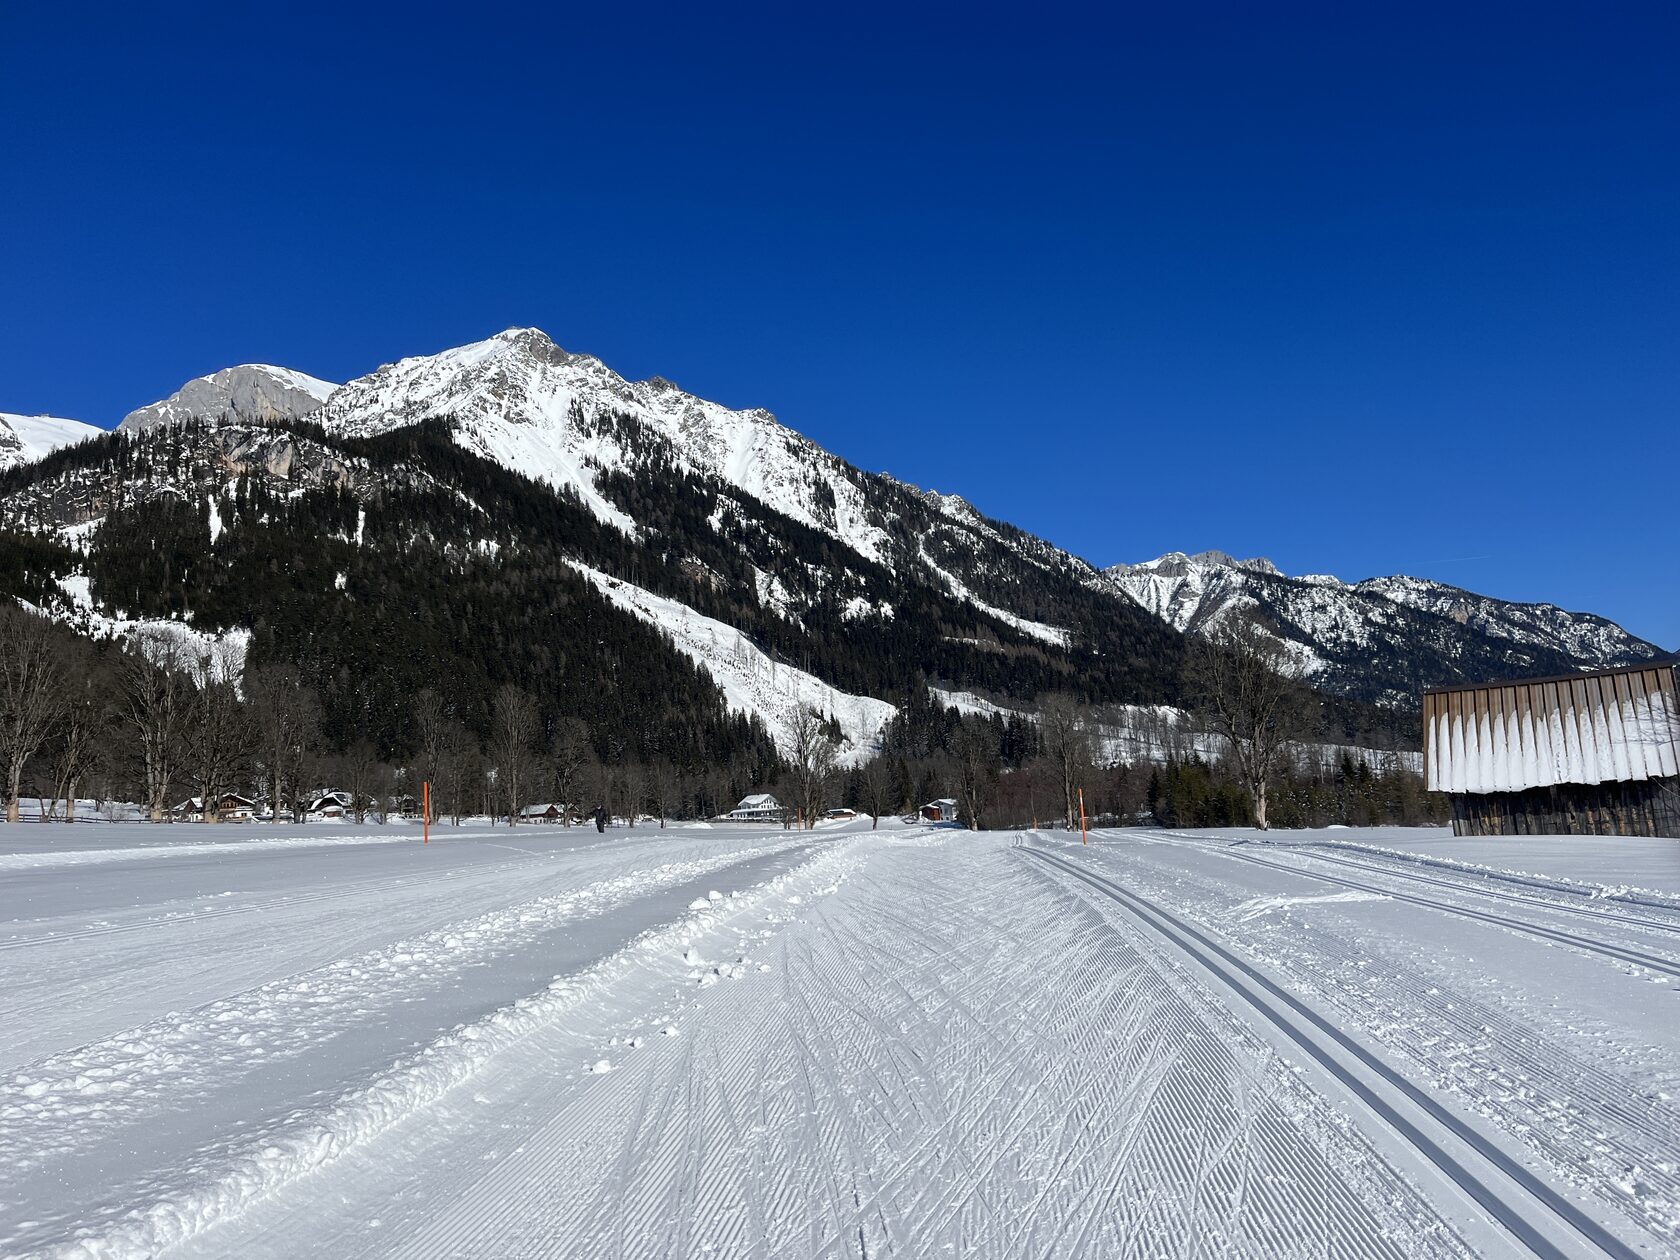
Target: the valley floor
pixel 915 1041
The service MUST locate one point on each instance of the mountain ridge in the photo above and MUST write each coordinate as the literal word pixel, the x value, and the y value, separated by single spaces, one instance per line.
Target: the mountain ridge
pixel 670 472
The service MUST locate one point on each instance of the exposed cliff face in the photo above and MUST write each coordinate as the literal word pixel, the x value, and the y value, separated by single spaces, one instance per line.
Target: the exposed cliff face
pixel 203 462
pixel 252 392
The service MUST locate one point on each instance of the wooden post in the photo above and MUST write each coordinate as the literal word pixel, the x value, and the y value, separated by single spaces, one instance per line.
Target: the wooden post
pixel 425 813
pixel 1082 836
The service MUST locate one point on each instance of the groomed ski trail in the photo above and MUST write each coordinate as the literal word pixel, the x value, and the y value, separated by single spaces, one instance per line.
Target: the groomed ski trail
pixel 1546 1223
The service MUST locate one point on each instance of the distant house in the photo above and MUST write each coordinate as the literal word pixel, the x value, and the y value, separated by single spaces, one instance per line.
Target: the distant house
pixel 760 807
pixel 942 810
pixel 1594 754
pixel 329 805
pixel 841 815
pixel 546 813
pixel 231 808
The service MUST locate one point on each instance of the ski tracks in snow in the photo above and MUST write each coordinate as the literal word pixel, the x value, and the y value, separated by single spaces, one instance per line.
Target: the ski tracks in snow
pixel 1495 1028
pixel 948 1052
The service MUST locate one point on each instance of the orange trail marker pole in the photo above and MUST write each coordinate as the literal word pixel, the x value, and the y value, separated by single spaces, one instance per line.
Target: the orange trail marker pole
pixel 1082 839
pixel 425 813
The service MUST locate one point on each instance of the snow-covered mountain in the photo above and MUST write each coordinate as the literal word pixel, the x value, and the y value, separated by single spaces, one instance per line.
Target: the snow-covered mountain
pixel 253 392
pixel 522 401
pixel 1408 630
pixel 840 578
pixel 25 439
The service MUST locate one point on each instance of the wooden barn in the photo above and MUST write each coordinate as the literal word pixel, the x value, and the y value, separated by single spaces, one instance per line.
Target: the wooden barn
pixel 1594 754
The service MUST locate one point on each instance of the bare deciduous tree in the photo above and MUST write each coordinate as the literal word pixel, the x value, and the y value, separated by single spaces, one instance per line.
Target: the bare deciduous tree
pixel 458 771
pixel 877 789
pixel 288 721
pixel 219 737
pixel 1242 682
pixel 513 733
pixel 78 752
pixel 569 756
pixel 359 770
pixel 1067 746
pixel 31 694
pixel 430 732
pixel 661 789
pixel 978 763
pixel 812 759
pixel 633 779
pixel 153 699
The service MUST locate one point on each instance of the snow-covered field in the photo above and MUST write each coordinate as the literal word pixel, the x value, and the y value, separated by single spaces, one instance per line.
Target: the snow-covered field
pixel 744 1041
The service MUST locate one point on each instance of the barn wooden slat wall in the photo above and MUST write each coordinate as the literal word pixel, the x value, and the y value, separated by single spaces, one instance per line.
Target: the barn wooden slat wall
pixel 1592 753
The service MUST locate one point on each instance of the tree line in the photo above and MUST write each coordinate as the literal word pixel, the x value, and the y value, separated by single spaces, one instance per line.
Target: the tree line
pixel 160 716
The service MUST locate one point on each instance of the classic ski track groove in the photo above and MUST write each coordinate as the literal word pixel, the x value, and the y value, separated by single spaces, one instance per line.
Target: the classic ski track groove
pixel 1337 1054
pixel 1499 894
pixel 1586 1122
pixel 1637 957
pixel 892 1090
pixel 1473 882
pixel 1473 878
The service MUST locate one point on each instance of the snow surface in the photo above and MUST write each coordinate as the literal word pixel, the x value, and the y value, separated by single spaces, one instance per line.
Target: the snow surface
pixel 751 681
pixel 25 439
pixel 745 1041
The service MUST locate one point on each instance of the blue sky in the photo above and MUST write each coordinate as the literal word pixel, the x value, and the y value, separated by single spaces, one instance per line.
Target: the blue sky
pixel 1363 290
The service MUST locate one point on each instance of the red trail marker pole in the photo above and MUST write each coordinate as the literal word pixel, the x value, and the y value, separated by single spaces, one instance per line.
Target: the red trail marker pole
pixel 1082 839
pixel 425 813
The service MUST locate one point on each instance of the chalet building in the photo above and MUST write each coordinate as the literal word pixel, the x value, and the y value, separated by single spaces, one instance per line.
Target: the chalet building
pixel 759 807
pixel 549 812
pixel 232 808
pixel 329 805
pixel 1595 754
pixel 942 810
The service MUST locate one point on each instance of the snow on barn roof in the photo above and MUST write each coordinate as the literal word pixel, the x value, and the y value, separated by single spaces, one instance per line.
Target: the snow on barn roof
pixel 1609 726
pixel 759 800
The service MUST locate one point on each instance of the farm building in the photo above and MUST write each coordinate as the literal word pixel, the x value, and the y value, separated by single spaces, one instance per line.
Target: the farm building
pixel 1583 754
pixel 942 810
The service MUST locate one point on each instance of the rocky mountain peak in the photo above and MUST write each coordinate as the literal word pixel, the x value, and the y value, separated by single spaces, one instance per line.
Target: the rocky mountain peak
pixel 254 392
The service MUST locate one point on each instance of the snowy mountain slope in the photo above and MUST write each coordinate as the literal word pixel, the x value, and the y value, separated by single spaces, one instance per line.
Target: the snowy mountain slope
pixel 519 399
pixel 1585 636
pixel 256 392
pixel 25 439
pixel 752 682
pixel 1383 638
